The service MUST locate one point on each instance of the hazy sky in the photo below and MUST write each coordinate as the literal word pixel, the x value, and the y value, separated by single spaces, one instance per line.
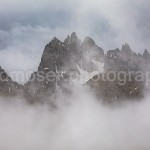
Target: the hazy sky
pixel 27 26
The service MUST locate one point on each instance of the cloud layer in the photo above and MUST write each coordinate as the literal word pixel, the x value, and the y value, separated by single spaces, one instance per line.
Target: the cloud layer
pixel 83 124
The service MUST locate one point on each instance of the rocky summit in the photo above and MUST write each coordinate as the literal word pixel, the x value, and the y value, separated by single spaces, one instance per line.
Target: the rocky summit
pixel 72 57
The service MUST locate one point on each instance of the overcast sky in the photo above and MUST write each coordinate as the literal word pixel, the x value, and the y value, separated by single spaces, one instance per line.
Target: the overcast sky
pixel 26 26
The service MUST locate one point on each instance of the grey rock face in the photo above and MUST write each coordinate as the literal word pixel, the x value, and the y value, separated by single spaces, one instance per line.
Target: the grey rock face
pixel 146 54
pixel 115 91
pixel 127 62
pixel 124 60
pixel 61 59
pixel 7 86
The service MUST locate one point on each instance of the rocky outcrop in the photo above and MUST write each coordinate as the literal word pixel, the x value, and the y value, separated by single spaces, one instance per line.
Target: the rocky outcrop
pixel 7 86
pixel 124 59
pixel 124 75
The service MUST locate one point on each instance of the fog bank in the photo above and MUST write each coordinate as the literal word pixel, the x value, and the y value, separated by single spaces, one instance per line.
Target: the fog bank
pixel 83 124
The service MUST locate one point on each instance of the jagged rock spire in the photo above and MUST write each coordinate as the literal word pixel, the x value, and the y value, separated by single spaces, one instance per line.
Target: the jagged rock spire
pixel 55 41
pixel 146 54
pixel 89 41
pixel 67 40
pixel 73 37
pixel 126 48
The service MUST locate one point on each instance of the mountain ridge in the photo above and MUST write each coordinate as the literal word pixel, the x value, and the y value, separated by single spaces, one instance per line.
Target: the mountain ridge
pixel 65 57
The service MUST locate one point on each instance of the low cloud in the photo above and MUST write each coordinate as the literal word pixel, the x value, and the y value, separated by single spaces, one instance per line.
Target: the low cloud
pixel 83 124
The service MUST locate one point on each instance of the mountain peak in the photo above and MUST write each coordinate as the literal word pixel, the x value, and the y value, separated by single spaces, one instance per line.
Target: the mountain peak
pixel 73 37
pixel 89 41
pixel 146 54
pixel 67 40
pixel 73 34
pixel 55 41
pixel 126 47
